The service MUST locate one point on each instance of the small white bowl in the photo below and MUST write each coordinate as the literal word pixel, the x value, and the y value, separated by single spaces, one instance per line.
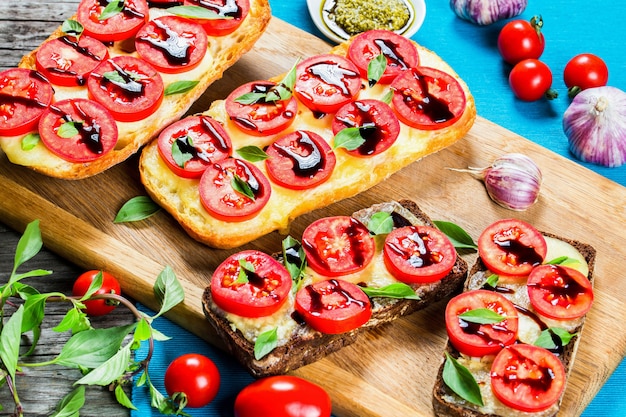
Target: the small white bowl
pixel 334 33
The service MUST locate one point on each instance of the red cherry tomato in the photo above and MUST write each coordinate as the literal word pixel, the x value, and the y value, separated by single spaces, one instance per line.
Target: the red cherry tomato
pixel 129 87
pixel 283 396
pixel 24 96
pixel 400 52
pixel 250 284
pixel 222 200
pixel 511 247
pixel 474 339
pixel 231 14
pixel 427 98
pixel 300 160
pixel 520 39
pixel 198 142
pixel 377 124
pixel 324 83
pixel 333 306
pixel 585 71
pixel 194 375
pixel 93 135
pixel 559 292
pixel 117 27
pixel 418 254
pixel 64 61
pixel 260 118
pixel 527 378
pixel 531 80
pixel 110 285
pixel 172 44
pixel 338 245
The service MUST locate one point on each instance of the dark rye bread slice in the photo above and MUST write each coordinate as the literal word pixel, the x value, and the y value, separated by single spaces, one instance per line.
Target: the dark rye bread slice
pixel 446 403
pixel 307 345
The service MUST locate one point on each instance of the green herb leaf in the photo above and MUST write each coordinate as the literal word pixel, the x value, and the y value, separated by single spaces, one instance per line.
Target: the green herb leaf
pixel 387 97
pixel 34 310
pixel 375 69
pixel 252 153
pixel 71 403
pixel 110 370
pixel 122 398
pixel 113 8
pixel 10 339
pixel 79 350
pixel 180 157
pixel 74 320
pixel 265 343
pixel 72 28
pixel 245 267
pixel 461 381
pixel 380 223
pixel 136 209
pixel 564 260
pixel 250 98
pixel 294 259
pixel 546 338
pixel 242 187
pixel 492 280
pixel 283 90
pixel 395 290
pixel 28 246
pixel 482 316
pixel 116 77
pixel 30 141
pixel 196 12
pixel 168 290
pixel 349 138
pixel 179 87
pixel 94 286
pixel 459 237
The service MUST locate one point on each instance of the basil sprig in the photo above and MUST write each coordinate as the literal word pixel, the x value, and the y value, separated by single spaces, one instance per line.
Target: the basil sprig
pixel 460 380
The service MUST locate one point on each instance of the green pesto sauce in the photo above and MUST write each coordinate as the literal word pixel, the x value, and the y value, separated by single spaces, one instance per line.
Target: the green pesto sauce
pixel 356 16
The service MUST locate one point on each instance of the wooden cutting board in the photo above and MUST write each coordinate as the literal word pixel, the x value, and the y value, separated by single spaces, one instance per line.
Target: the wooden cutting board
pixel 389 372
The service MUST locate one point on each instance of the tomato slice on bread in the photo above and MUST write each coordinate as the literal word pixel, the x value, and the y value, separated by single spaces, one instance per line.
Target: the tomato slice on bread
pixel 120 24
pixel 427 98
pixel 250 284
pixel 229 15
pixel 333 306
pixel 338 245
pixel 559 292
pixel 78 130
pixel 418 254
pixel 473 338
pixel 527 378
pixel 399 52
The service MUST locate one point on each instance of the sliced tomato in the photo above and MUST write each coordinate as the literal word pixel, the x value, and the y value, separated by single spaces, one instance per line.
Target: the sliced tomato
pixel 229 15
pixel 559 292
pixel 172 44
pixel 221 198
pixel 260 118
pixel 24 96
pixel 338 245
pixel 197 141
pixel 475 339
pixel 527 378
pixel 116 27
pixel 94 130
pixel 400 53
pixel 427 98
pixel 377 123
pixel 511 247
pixel 250 284
pixel 300 160
pixel 129 87
pixel 418 254
pixel 326 82
pixel 333 306
pixel 68 62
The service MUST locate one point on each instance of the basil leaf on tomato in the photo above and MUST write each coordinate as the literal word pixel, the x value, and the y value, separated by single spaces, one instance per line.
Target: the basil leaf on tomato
pixel 294 258
pixel 482 316
pixel 111 9
pixel 68 129
pixel 460 380
pixel 196 12
pixel 72 28
pixel 242 187
pixel 284 89
pixel 395 290
pixel 265 343
pixel 181 157
pixel 349 138
pixel 375 69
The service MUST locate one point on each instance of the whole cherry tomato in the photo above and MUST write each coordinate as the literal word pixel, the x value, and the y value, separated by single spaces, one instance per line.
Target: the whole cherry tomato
pixel 531 80
pixel 521 39
pixel 585 71
pixel 283 396
pixel 110 285
pixel 195 376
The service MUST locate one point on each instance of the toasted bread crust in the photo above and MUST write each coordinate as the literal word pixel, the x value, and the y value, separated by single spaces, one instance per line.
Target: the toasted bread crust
pixel 441 392
pixel 222 53
pixel 308 345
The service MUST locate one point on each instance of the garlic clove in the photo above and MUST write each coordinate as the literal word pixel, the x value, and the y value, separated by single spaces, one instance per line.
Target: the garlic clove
pixel 486 12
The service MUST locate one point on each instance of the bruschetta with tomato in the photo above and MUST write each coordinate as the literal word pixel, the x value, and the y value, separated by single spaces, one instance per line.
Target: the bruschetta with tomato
pixel 513 332
pixel 113 76
pixel 333 126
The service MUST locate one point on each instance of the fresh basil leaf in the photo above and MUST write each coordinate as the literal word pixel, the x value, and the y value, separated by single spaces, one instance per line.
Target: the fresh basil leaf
pixel 459 237
pixel 349 138
pixel 460 380
pixel 72 28
pixel 492 280
pixel 252 153
pixel 265 343
pixel 482 316
pixel 564 261
pixel 30 141
pixel 10 339
pixel 284 89
pixel 294 259
pixel 34 311
pixel 116 77
pixel 546 338
pixel 387 97
pixel 122 398
pixel 79 351
pixel 114 7
pixel 250 98
pixel 180 157
pixel 245 267
pixel 71 403
pixel 74 320
pixel 168 290
pixel 110 370
pixel 28 246
pixel 179 87
pixel 137 208
pixel 242 187
pixel 375 69
pixel 196 12
pixel 380 223
pixel 395 290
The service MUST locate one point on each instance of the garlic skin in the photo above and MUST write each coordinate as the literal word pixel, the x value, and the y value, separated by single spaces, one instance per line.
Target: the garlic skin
pixel 513 181
pixel 595 126
pixel 486 12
